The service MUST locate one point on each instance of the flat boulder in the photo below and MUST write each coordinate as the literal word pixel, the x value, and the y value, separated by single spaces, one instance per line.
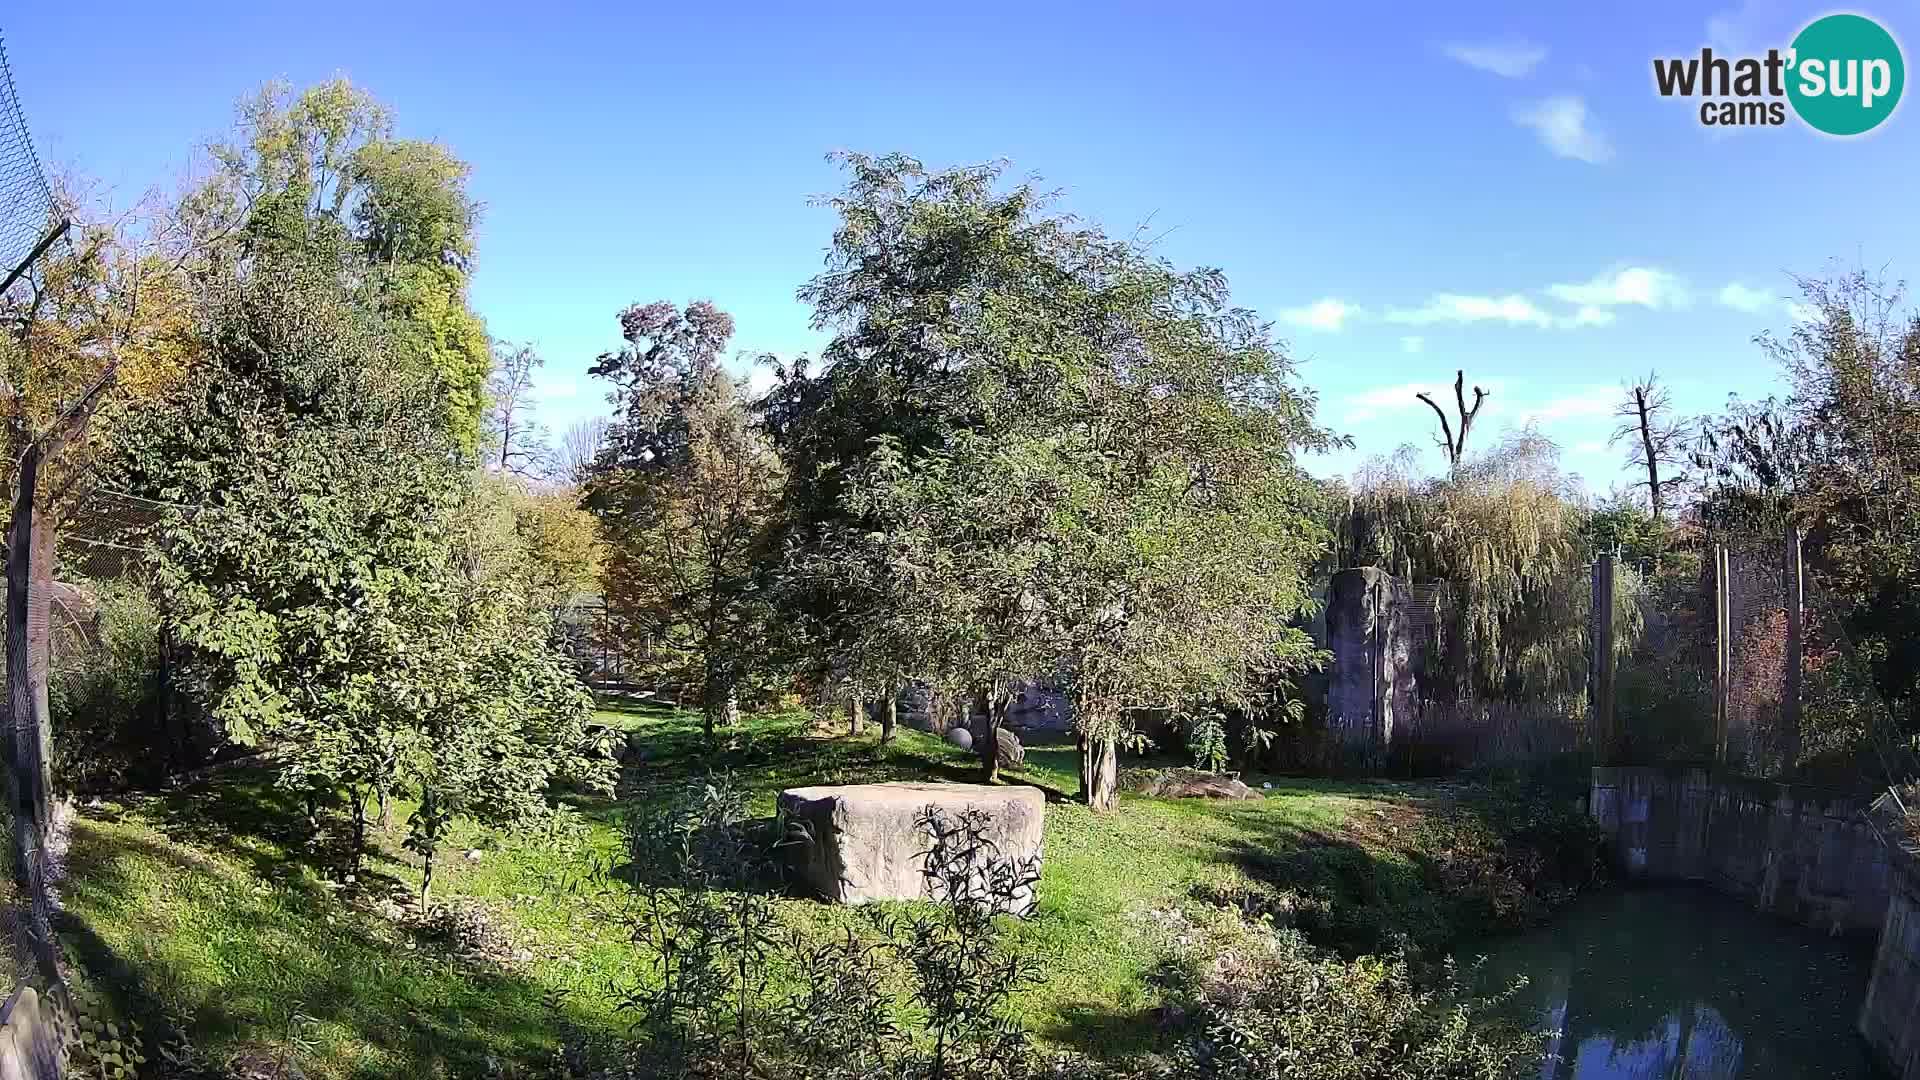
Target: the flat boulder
pixel 860 842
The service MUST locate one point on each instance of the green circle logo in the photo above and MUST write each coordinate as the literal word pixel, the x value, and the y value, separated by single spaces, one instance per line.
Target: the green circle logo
pixel 1845 74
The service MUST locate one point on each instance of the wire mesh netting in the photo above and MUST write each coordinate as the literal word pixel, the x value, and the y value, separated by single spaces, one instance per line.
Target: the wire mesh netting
pixel 28 213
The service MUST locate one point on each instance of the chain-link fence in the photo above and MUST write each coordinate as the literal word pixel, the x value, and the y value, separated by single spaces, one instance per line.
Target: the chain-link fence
pixel 1745 664
pixel 29 218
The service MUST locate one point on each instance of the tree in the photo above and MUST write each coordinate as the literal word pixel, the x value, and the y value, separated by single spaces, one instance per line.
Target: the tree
pixel 1456 445
pixel 1077 460
pixel 514 442
pixel 1506 537
pixel 319 173
pixel 1837 457
pixel 329 589
pixel 1655 439
pixel 687 493
pixel 579 449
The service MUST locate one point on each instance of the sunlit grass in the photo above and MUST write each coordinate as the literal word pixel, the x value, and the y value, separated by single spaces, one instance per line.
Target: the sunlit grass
pixel 207 906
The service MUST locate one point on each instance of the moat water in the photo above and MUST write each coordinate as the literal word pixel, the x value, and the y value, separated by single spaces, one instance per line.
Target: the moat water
pixel 1685 984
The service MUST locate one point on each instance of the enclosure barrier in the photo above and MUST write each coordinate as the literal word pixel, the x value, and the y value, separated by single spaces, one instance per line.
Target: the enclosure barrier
pixel 1820 859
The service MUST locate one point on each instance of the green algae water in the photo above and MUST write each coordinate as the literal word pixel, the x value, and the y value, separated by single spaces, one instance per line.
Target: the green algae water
pixel 1685 984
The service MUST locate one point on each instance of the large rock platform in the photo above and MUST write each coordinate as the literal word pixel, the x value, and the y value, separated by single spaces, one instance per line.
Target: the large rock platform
pixel 861 842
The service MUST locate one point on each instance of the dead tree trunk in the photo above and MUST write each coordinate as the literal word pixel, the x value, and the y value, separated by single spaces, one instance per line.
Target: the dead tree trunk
pixel 1455 445
pixel 889 714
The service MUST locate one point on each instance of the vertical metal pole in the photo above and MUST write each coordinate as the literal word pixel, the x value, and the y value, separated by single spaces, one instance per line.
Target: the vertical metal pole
pixel 1796 615
pixel 1601 688
pixel 1722 650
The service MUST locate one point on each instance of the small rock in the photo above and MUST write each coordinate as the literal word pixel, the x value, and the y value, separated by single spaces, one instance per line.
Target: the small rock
pixel 1268 785
pixel 473 854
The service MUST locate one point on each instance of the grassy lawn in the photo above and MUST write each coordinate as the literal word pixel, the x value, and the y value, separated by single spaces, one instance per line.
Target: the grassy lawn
pixel 210 911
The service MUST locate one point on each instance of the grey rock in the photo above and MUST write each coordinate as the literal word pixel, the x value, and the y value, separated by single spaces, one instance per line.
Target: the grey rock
pixel 861 842
pixel 961 738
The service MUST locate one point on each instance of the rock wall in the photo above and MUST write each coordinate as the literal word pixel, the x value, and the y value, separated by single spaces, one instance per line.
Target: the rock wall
pixel 1801 853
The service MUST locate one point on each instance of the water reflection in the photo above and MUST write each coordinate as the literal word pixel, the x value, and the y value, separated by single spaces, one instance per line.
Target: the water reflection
pixel 1683 984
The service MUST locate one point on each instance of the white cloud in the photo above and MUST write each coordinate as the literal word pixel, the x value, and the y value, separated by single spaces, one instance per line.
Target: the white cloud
pixel 1513 308
pixel 1637 286
pixel 1404 397
pixel 1510 59
pixel 1562 125
pixel 1412 343
pixel 1329 315
pixel 1593 446
pixel 1744 298
pixel 1591 401
pixel 1372 404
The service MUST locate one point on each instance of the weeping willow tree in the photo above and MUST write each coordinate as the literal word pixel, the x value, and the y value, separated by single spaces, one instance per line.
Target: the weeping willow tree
pixel 1504 534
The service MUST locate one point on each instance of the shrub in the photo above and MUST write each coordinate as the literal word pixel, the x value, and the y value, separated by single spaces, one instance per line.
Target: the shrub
pixel 925 996
pixel 104 695
pixel 1262 1004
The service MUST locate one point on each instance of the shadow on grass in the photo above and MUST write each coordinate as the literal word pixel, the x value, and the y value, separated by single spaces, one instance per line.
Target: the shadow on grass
pixel 184 944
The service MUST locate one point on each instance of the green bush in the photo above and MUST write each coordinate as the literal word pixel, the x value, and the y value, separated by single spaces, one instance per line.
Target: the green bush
pixel 1259 1003
pixel 105 692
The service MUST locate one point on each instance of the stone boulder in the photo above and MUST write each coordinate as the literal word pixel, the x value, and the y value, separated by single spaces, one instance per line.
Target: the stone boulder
pixel 1012 754
pixel 961 738
pixel 1191 784
pixel 861 842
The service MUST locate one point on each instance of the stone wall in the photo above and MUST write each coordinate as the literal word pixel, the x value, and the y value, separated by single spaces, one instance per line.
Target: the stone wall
pixel 1801 853
pixel 1371 687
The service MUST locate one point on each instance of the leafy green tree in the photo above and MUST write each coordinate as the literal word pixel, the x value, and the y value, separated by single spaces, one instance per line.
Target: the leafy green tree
pixel 323 587
pixel 687 491
pixel 1838 456
pixel 1077 460
pixel 319 174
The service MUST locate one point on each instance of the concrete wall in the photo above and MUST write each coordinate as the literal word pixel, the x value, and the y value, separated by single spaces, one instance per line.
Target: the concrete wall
pixel 1887 1018
pixel 1800 853
pixel 1371 687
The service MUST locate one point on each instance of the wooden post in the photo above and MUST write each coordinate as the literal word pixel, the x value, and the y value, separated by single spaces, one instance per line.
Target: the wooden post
pixel 1796 615
pixel 1722 650
pixel 856 711
pixel 1600 687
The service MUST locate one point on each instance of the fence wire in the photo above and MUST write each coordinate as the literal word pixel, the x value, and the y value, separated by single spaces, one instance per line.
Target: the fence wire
pixel 28 213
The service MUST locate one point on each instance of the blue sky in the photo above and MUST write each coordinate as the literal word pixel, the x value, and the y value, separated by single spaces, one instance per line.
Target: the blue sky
pixel 1495 187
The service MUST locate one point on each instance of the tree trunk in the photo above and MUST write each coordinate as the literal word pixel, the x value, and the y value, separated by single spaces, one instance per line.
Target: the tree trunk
pixel 889 714
pixel 720 700
pixel 985 728
pixel 1100 772
pixel 856 712
pixel 357 854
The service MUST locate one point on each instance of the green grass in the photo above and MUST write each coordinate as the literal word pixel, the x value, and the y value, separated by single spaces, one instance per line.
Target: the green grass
pixel 209 911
